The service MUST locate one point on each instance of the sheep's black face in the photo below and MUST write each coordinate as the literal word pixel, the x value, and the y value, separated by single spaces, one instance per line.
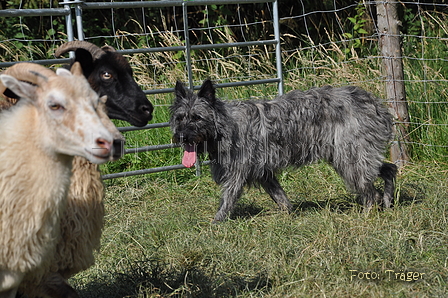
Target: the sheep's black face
pixel 111 75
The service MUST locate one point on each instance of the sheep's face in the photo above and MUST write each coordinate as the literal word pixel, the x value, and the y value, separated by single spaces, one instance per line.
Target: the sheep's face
pixel 70 105
pixel 67 117
pixel 112 75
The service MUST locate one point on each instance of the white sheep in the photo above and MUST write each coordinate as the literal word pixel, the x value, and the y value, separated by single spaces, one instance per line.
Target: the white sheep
pixel 80 226
pixel 54 121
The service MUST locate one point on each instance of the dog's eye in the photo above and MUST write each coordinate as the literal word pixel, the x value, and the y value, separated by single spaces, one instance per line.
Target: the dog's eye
pixel 180 118
pixel 196 118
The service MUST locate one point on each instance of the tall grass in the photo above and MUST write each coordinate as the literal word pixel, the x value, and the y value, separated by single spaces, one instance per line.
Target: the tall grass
pixel 426 70
pixel 159 242
pixel 426 85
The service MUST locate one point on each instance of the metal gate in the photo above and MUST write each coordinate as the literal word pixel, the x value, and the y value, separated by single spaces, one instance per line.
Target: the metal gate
pixel 73 12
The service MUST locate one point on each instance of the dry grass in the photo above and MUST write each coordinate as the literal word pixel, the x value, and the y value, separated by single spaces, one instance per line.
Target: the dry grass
pixel 159 240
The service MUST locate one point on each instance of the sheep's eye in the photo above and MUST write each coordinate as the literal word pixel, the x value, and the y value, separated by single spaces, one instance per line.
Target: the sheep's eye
pixel 107 76
pixel 55 106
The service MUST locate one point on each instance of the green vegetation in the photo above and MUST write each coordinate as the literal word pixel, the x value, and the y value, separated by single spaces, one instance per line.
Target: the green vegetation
pixel 158 239
pixel 426 86
pixel 427 89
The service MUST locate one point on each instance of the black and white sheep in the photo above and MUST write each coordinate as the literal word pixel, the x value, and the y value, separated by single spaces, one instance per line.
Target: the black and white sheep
pixel 54 121
pixel 109 73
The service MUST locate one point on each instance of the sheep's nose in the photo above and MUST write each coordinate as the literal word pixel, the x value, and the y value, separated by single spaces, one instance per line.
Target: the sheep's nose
pixel 146 109
pixel 103 147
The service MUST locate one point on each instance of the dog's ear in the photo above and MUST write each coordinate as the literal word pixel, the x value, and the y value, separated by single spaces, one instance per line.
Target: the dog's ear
pixel 179 90
pixel 207 91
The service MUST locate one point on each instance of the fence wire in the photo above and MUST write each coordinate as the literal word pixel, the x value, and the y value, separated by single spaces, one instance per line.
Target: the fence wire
pixel 329 42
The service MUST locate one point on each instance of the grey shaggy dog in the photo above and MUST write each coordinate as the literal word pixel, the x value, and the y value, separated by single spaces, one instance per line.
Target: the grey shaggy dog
pixel 248 142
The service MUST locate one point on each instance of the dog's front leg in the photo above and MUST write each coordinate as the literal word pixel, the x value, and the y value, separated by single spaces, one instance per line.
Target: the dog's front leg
pixel 230 195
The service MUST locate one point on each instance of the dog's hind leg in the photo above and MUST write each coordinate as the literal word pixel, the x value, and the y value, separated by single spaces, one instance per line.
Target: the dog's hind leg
pixel 388 172
pixel 275 190
pixel 359 178
pixel 230 195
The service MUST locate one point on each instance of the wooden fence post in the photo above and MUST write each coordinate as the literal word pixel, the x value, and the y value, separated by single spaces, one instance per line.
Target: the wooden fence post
pixel 389 43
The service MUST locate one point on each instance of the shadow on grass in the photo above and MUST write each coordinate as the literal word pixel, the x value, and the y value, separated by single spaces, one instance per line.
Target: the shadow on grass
pixel 410 193
pixel 340 204
pixel 246 210
pixel 151 277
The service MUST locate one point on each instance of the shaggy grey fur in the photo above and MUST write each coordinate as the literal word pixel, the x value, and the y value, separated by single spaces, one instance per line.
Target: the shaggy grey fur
pixel 250 141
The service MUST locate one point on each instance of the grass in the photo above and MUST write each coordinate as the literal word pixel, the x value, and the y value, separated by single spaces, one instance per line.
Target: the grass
pixel 159 240
pixel 426 86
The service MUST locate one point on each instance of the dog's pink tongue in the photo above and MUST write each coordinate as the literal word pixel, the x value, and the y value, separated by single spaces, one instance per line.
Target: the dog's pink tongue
pixel 189 158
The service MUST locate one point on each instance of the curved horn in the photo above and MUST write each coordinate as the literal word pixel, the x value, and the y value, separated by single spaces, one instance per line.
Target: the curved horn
pixel 28 72
pixel 94 50
pixel 108 49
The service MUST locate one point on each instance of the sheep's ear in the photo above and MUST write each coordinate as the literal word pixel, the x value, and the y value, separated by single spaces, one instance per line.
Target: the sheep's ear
pixel 85 58
pixel 63 72
pixel 76 69
pixel 21 89
pixel 207 91
pixel 180 90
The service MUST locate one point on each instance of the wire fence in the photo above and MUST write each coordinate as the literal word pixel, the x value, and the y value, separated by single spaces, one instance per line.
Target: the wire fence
pixel 330 42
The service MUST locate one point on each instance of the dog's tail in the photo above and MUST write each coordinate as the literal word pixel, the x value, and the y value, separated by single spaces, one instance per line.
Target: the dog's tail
pixel 388 172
